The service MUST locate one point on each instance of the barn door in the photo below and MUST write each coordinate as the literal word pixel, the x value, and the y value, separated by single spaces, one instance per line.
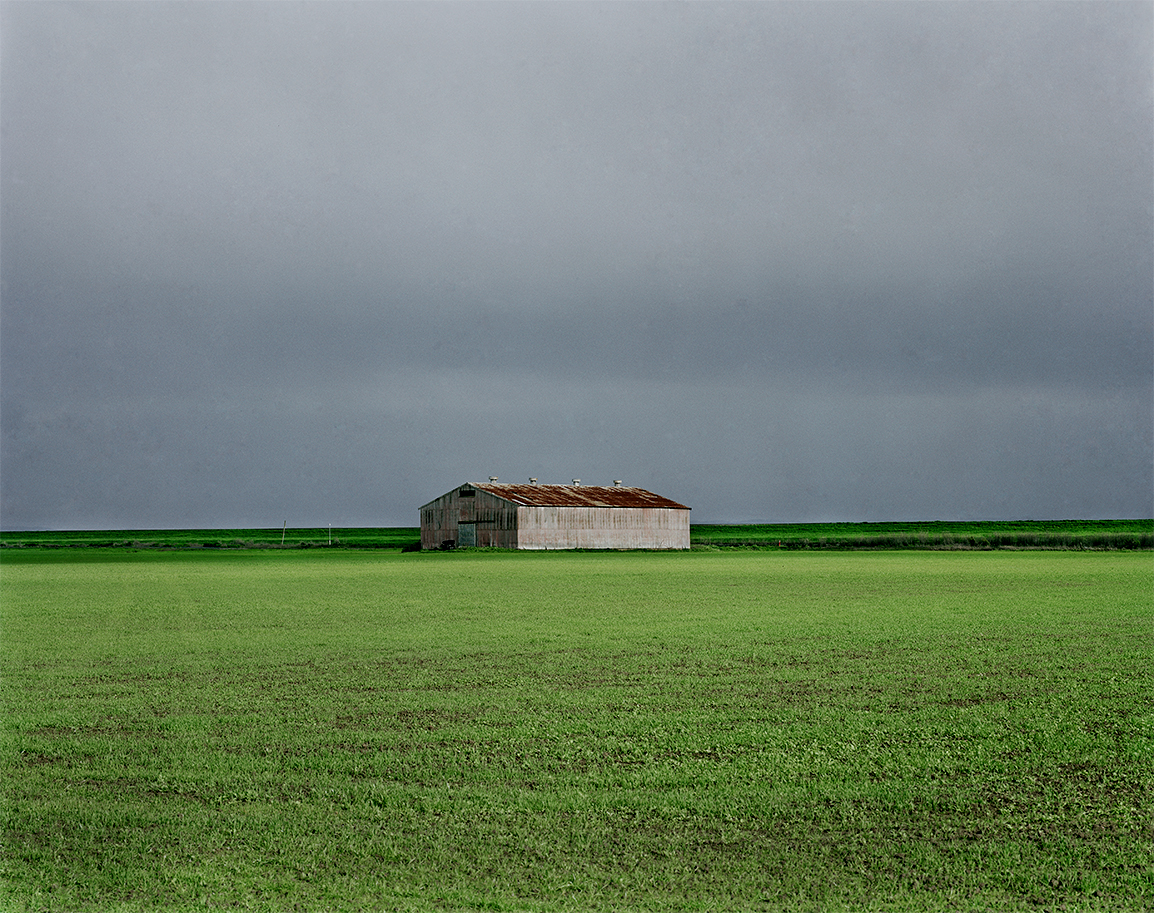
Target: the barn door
pixel 466 534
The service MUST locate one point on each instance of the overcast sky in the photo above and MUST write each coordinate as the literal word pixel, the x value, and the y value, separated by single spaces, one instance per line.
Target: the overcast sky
pixel 320 263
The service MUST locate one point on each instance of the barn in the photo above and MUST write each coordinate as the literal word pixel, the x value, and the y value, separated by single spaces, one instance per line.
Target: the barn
pixel 553 516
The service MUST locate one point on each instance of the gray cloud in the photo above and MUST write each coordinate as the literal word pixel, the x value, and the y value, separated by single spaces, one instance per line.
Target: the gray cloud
pixel 875 261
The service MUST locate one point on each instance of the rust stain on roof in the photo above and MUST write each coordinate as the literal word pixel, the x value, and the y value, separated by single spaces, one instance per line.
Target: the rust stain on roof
pixel 578 496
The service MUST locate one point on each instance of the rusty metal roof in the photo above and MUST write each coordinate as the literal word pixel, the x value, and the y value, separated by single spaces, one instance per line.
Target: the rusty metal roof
pixel 578 495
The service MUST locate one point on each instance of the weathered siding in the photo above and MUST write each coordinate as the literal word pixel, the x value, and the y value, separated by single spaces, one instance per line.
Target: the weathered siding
pixel 505 516
pixel 602 527
pixel 491 521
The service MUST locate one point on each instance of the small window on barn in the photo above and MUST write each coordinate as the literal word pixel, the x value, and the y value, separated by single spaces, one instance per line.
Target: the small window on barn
pixel 468 492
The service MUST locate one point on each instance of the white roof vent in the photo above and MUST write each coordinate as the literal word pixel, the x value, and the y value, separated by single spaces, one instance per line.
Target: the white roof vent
pixel 616 483
pixel 532 480
pixel 576 481
pixel 492 478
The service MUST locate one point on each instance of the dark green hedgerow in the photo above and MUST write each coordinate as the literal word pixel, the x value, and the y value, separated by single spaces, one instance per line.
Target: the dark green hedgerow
pixel 1055 534
pixel 948 541
pixel 1051 534
pixel 343 538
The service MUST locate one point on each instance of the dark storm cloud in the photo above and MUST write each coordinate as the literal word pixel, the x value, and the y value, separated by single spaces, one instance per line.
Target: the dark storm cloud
pixel 887 260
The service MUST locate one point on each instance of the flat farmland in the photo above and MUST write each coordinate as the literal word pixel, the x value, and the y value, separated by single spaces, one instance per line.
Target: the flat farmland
pixel 941 535
pixel 704 730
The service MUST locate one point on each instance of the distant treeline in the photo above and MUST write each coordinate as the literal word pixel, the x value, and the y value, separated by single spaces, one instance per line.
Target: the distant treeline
pixel 365 537
pixel 1020 534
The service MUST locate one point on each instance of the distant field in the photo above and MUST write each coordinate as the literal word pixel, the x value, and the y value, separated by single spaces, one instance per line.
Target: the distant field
pixel 1028 534
pixel 1094 534
pixel 731 729
pixel 366 537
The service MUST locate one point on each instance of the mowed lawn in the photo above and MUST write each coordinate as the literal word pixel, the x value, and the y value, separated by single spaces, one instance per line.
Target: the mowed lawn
pixel 283 730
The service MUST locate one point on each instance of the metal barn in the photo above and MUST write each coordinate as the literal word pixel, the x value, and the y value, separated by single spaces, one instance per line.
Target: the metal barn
pixel 553 516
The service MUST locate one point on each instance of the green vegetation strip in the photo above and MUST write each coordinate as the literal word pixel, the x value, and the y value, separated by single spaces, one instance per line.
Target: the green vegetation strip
pixel 1017 534
pixel 385 537
pixel 351 730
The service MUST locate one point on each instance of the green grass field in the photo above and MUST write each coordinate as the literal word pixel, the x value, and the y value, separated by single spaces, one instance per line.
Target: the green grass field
pixel 704 730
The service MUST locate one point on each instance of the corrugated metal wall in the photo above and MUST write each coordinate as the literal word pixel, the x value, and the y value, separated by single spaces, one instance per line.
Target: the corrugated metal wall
pixel 602 527
pixel 487 520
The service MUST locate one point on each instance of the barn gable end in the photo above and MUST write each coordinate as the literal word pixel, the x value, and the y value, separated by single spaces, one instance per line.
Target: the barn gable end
pixel 468 515
pixel 554 517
